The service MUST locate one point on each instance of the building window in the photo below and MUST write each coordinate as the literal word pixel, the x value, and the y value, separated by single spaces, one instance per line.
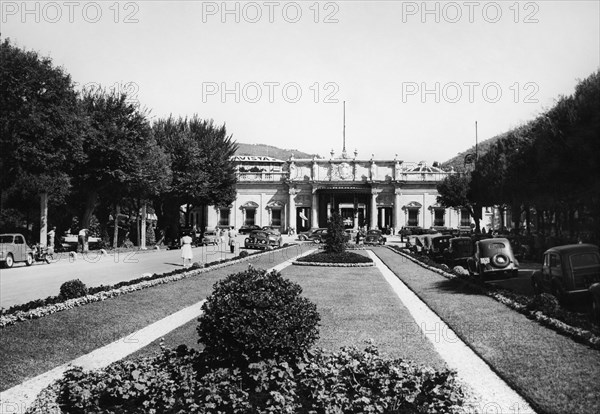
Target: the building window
pixel 250 217
pixel 465 218
pixel 438 217
pixel 276 217
pixel 413 217
pixel 224 217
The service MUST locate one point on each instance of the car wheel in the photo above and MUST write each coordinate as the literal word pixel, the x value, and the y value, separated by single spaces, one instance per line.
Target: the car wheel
pixel 9 262
pixel 48 258
pixel 500 260
pixel 29 260
pixel 537 289
pixel 302 237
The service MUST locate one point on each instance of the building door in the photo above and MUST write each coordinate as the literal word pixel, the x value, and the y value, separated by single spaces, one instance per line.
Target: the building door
pixel 384 217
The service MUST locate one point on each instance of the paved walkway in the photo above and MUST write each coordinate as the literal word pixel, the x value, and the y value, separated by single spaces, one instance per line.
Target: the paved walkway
pixel 493 394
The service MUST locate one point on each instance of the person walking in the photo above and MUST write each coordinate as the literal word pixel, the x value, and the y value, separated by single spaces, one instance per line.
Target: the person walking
pixel 231 242
pixel 186 250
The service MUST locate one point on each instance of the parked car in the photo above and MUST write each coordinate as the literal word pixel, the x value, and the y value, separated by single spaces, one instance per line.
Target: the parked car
pixel 13 248
pixel 248 228
pixel 493 257
pixel 272 229
pixel 318 236
pixel 375 236
pixel 569 272
pixel 411 231
pixel 306 234
pixel 260 239
pixel 437 244
pixel 458 252
pixel 211 238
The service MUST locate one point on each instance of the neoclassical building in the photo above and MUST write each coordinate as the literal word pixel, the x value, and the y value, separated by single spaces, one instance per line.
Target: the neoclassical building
pixel 302 193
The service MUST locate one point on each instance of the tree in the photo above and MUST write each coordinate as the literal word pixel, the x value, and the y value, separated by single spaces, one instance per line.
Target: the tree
pixel 453 192
pixel 202 173
pixel 39 129
pixel 334 239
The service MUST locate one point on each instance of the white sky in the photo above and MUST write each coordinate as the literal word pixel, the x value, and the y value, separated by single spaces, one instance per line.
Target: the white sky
pixel 372 54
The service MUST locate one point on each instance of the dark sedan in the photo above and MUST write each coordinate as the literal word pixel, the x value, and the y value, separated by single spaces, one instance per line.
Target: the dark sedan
pixel 248 228
pixel 375 237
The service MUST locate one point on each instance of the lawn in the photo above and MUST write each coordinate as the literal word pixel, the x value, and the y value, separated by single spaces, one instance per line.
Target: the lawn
pixel 554 373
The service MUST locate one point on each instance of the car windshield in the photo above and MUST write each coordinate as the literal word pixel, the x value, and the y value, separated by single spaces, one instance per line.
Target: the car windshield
pixel 6 239
pixel 374 232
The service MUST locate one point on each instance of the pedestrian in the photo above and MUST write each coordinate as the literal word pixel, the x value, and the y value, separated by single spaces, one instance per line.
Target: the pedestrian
pixel 83 240
pixel 51 236
pixel 231 235
pixel 186 250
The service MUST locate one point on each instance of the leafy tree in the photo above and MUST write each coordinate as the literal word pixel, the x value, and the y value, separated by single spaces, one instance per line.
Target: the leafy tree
pixel 202 172
pixel 453 192
pixel 334 239
pixel 121 158
pixel 39 128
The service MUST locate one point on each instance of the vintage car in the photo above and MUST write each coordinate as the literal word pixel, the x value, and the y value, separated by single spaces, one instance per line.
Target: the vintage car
pixel 210 238
pixel 318 236
pixel 13 248
pixel 459 250
pixel 411 231
pixel 375 237
pixel 260 239
pixel 248 228
pixel 436 244
pixel 306 234
pixel 272 229
pixel 493 257
pixel 568 272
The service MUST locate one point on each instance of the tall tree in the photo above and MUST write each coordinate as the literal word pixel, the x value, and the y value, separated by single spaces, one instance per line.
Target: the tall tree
pixel 202 172
pixel 453 192
pixel 39 127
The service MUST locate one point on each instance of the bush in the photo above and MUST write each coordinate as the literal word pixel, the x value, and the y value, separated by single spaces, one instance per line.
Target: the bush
pixel 243 254
pixel 545 302
pixel 335 237
pixel 255 315
pixel 72 289
pixel 348 381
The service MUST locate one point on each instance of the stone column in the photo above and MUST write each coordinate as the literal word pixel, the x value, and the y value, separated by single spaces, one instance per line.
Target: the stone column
pixel 373 221
pixel 291 209
pixel 243 216
pixel 314 210
pixel 397 210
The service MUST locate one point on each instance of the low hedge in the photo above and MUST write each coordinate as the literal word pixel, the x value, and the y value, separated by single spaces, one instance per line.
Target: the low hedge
pixel 347 381
pixel 345 257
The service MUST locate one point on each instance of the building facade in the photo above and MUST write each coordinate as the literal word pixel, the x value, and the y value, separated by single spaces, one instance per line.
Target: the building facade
pixel 302 193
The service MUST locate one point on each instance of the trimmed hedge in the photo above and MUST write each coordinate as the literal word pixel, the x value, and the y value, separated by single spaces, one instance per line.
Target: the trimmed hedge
pixel 345 257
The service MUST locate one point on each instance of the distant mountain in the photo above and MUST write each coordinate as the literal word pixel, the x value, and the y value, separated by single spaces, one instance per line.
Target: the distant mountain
pixel 271 151
pixel 458 162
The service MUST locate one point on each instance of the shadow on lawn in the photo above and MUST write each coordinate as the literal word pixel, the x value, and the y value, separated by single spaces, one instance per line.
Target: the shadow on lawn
pixel 458 286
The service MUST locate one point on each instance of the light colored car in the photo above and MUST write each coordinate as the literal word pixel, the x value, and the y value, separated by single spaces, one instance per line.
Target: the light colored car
pixel 13 248
pixel 210 237
pixel 260 239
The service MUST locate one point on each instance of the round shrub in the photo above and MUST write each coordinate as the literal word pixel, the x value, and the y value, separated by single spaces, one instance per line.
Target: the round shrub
pixel 255 315
pixel 243 254
pixel 73 289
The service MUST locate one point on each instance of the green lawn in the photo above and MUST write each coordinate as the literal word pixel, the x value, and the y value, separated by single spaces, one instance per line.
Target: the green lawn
pixel 555 373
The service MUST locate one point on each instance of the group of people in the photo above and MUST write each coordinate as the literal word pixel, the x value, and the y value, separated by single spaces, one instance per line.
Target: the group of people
pixel 186 244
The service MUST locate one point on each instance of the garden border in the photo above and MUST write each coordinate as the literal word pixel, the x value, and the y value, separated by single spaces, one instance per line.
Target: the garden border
pixel 39 312
pixel 371 264
pixel 578 334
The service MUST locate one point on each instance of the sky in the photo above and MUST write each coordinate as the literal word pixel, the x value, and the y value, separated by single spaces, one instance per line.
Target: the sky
pixel 415 76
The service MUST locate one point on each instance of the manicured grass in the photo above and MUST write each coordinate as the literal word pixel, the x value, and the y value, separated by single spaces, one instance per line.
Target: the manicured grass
pixel 355 304
pixel 33 347
pixel 556 374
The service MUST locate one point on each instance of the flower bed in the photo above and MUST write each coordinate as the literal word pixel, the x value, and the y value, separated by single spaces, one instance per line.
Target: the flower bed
pixel 521 303
pixel 345 259
pixel 43 307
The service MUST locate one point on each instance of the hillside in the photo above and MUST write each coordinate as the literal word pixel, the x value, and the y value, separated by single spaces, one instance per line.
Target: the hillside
pixel 270 151
pixel 458 161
